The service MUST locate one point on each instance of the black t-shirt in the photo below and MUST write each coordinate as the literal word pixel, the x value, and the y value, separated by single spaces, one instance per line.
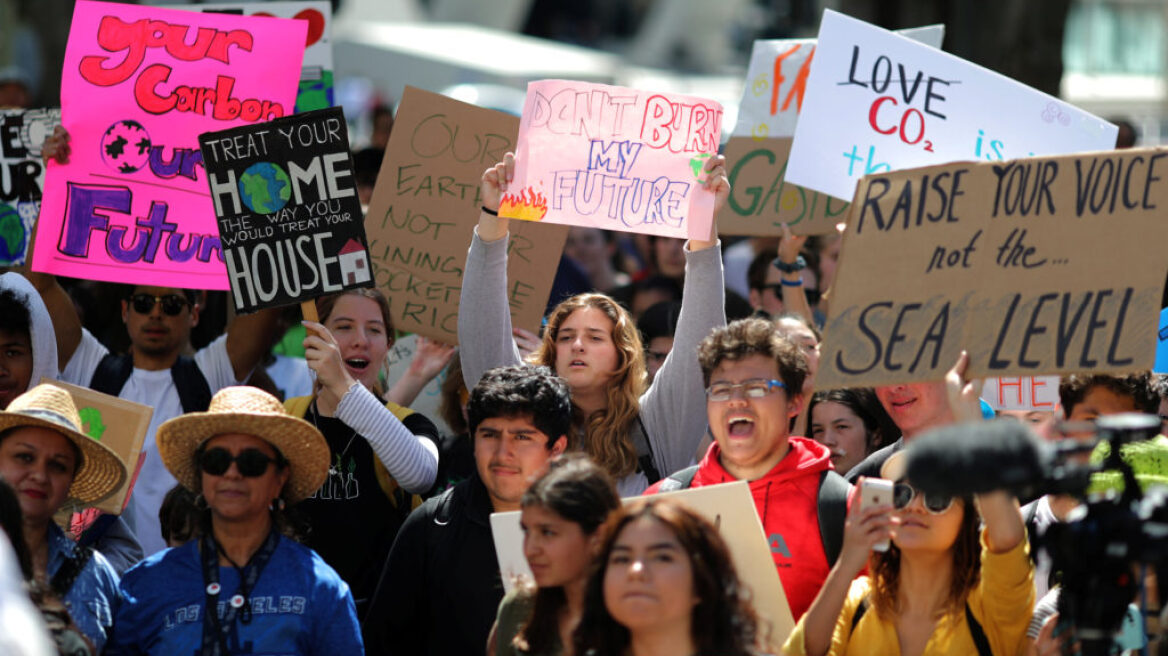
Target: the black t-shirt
pixel 870 467
pixel 351 522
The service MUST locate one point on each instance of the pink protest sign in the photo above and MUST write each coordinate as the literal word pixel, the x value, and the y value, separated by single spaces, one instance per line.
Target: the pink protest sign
pixel 139 86
pixel 614 158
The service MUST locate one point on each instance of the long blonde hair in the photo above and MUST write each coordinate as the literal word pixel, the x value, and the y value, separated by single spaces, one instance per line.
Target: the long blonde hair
pixel 606 432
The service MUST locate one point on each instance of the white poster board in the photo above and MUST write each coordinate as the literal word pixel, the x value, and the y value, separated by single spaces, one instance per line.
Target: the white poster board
pixel 730 508
pixel 876 102
pixel 1022 393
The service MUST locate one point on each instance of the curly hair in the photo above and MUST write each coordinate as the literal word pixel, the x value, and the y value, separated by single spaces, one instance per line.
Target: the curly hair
pixel 605 432
pixel 579 491
pixel 522 390
pixel 723 621
pixel 746 337
pixel 1138 386
pixel 884 568
pixel 14 315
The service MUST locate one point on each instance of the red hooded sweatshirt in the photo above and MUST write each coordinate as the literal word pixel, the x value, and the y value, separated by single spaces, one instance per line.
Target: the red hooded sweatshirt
pixel 786 501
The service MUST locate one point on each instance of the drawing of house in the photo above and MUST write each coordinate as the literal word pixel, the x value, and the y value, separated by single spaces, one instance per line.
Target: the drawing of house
pixel 354 263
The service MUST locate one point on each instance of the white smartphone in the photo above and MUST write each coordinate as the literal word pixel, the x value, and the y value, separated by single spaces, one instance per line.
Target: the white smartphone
pixel 876 492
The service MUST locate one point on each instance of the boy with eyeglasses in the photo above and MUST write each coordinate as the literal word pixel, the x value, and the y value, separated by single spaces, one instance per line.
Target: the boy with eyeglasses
pixel 754 377
pixel 155 372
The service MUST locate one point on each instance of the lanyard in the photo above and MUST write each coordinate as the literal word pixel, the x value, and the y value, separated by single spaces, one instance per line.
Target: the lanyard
pixel 216 631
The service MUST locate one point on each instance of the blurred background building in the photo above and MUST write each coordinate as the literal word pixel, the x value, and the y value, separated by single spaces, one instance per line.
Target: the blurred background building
pixel 1107 56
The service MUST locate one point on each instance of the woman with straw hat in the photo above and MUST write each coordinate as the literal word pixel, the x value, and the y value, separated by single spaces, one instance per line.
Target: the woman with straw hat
pixel 46 458
pixel 241 587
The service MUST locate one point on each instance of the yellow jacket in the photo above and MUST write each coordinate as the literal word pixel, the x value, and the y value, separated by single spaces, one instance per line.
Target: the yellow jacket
pixel 1002 602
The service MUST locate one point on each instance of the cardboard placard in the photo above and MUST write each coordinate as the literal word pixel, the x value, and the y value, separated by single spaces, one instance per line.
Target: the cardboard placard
pixel 1023 393
pixel 876 101
pixel 760 199
pixel 424 209
pixel 614 158
pixel 119 424
pixel 289 217
pixel 730 508
pixel 316 73
pixel 22 178
pixel 1035 266
pixel 139 85
pixel 429 399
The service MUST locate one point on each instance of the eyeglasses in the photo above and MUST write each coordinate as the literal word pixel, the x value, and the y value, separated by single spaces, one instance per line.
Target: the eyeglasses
pixel 755 388
pixel 250 462
pixel 903 494
pixel 172 304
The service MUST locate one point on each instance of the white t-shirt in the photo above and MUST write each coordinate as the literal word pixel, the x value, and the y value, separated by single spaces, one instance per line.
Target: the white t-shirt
pixel 1043 519
pixel 155 389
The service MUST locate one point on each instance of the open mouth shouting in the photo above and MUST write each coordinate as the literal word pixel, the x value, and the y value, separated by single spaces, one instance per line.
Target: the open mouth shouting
pixel 357 366
pixel 740 426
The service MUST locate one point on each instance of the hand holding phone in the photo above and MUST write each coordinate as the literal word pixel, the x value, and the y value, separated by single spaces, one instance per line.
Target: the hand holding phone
pixel 876 492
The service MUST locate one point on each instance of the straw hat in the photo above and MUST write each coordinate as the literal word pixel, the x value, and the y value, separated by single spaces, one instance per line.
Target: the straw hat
pixel 47 406
pixel 250 411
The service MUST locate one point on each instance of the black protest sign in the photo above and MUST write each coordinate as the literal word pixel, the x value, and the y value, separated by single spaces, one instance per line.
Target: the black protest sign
pixel 22 178
pixel 286 201
pixel 1036 266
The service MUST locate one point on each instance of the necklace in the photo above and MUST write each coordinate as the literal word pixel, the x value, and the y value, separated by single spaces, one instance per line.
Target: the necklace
pixel 335 467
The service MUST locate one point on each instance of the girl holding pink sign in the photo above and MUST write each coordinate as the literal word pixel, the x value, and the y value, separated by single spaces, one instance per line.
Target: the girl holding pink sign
pixel 639 432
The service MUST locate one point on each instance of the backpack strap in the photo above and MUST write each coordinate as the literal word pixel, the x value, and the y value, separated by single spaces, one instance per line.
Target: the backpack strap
pixel 679 480
pixel 644 451
pixel 979 636
pixel 860 610
pixel 832 510
pixel 63 580
pixel 112 373
pixel 193 391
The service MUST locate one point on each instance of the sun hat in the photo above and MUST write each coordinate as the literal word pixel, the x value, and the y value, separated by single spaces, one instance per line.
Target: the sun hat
pixel 251 411
pixel 101 471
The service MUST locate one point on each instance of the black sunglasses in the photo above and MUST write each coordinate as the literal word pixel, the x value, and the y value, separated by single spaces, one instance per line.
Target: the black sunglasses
pixel 903 494
pixel 172 304
pixel 250 462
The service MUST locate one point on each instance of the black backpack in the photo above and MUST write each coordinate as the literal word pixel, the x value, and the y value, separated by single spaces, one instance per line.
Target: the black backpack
pixel 832 505
pixel 193 391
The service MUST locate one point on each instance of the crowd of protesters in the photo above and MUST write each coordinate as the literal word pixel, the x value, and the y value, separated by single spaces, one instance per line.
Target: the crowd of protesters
pixel 340 521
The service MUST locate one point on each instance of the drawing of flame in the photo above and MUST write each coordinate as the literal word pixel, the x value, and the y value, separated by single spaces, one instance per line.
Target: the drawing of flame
pixel 527 205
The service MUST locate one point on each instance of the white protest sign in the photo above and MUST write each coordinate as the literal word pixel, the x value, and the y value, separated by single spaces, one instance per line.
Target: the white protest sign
pixel 730 508
pixel 1022 393
pixel 776 81
pixel 877 102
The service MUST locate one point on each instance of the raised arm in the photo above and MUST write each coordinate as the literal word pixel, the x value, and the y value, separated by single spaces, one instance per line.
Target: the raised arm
pixel 430 358
pixel 794 295
pixel 66 323
pixel 484 317
pixel 674 408
pixel 249 337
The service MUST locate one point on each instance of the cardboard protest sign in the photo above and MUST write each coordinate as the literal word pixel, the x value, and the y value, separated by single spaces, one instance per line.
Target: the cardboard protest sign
pixel 316 74
pixel 139 85
pixel 756 155
pixel 730 508
pixel 22 177
pixel 119 424
pixel 1024 393
pixel 424 209
pixel 427 403
pixel 876 101
pixel 614 158
pixel 289 217
pixel 1034 266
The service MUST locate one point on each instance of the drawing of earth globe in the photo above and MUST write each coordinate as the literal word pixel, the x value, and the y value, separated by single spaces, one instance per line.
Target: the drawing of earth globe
pixel 13 236
pixel 265 188
pixel 125 146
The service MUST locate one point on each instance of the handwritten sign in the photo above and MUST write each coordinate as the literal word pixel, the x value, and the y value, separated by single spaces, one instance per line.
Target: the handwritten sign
pixel 22 177
pixel 397 362
pixel 425 206
pixel 119 424
pixel 877 102
pixel 1035 266
pixel 139 85
pixel 761 199
pixel 289 218
pixel 1023 393
pixel 614 158
pixel 730 509
pixel 316 74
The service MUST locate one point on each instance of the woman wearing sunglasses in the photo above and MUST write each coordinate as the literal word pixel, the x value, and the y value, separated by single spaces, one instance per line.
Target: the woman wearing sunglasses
pixel 944 585
pixel 241 587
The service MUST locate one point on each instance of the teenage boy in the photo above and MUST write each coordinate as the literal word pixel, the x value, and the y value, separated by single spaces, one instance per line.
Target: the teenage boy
pixel 753 378
pixel 915 408
pixel 441 586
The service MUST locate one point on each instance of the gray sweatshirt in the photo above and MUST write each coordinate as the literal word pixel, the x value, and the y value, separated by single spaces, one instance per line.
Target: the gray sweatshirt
pixel 673 409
